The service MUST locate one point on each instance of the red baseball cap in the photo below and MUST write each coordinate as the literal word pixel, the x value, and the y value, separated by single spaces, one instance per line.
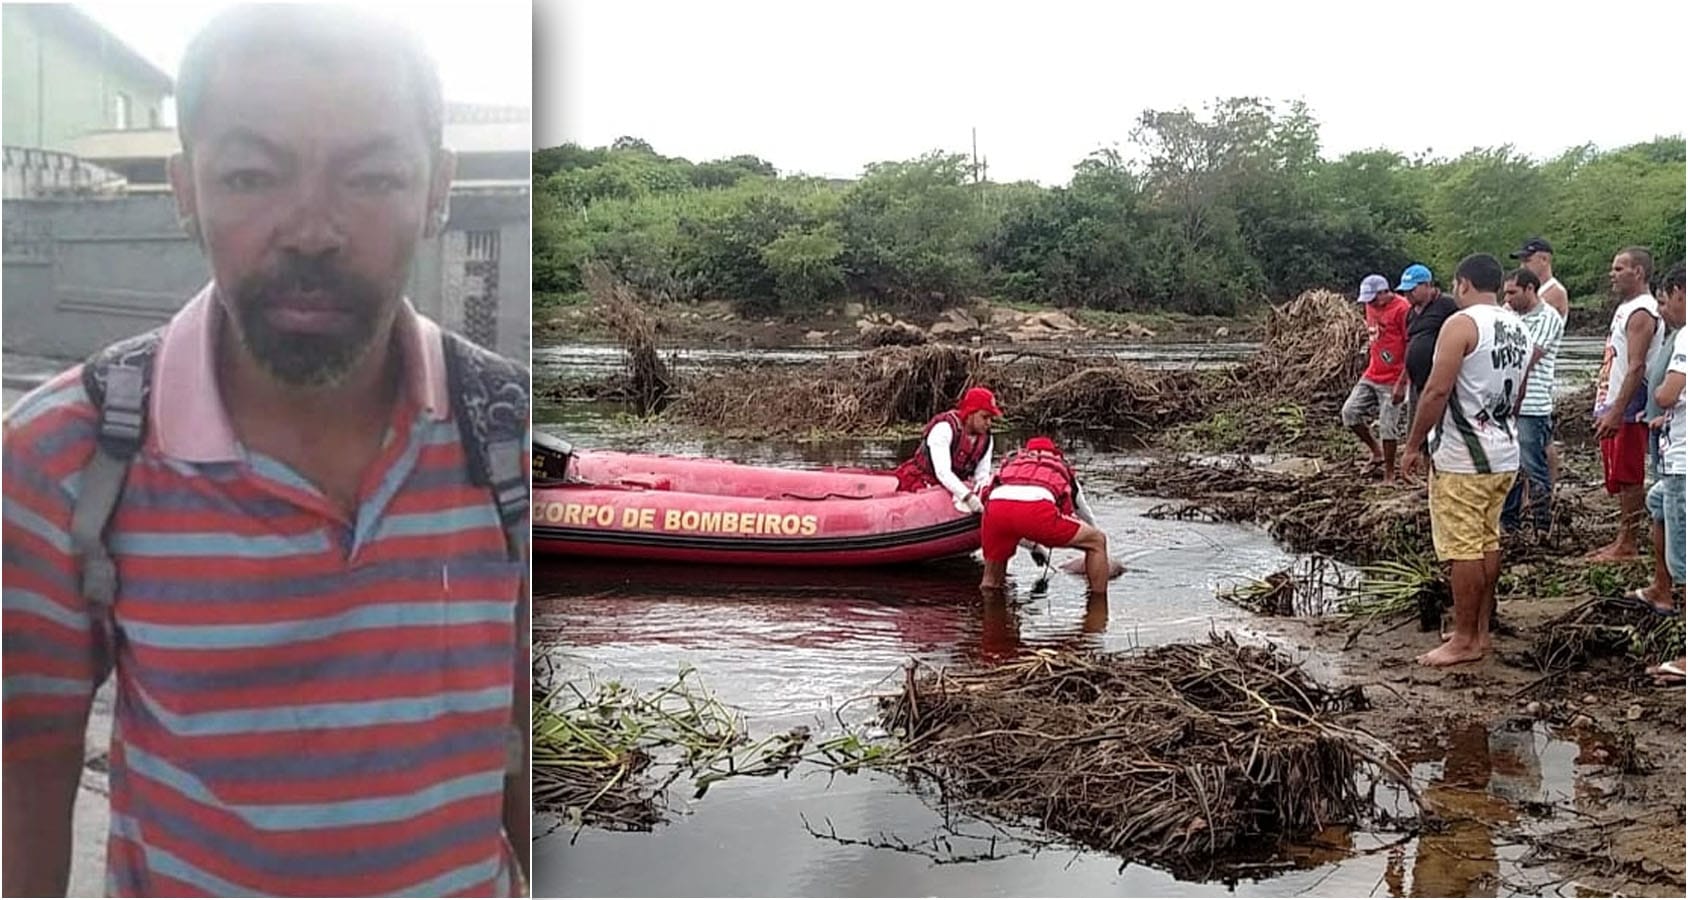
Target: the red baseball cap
pixel 978 399
pixel 1043 444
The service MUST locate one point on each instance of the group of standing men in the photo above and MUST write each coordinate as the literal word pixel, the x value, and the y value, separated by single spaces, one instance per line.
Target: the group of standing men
pixel 1469 380
pixel 1466 380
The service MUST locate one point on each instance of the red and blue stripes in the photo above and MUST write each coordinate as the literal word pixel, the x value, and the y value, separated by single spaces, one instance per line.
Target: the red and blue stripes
pixel 307 703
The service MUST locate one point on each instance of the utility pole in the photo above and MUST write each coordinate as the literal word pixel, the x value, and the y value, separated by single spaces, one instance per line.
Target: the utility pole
pixel 975 155
pixel 978 170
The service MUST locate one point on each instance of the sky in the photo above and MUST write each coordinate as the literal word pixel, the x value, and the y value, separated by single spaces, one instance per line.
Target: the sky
pixel 826 87
pixel 483 49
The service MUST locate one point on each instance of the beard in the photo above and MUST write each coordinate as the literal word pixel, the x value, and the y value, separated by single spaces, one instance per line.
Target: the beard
pixel 304 358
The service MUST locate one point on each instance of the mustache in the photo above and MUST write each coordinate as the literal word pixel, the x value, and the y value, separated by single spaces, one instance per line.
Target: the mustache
pixel 319 275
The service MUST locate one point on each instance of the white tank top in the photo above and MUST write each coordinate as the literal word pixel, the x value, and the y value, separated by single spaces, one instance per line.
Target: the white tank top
pixel 1615 365
pixel 1476 434
pixel 1551 283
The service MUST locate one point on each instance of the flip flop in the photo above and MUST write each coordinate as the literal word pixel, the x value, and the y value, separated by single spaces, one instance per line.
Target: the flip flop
pixel 1636 598
pixel 1673 673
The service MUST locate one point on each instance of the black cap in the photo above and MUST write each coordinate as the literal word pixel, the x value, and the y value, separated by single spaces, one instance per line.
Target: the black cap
pixel 1533 245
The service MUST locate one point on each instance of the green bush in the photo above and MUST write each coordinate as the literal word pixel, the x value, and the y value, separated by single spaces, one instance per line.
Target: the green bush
pixel 1214 212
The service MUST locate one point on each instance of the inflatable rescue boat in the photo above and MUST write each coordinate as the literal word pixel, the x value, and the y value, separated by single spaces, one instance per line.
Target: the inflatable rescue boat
pixel 612 505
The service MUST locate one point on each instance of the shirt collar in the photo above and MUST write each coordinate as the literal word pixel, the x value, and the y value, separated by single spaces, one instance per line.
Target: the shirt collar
pixel 187 408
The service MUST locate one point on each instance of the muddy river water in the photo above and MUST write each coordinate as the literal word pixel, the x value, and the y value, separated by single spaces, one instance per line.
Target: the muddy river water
pixel 788 649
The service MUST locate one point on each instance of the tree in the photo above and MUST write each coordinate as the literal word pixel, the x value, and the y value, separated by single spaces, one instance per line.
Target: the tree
pixel 1215 210
pixel 628 144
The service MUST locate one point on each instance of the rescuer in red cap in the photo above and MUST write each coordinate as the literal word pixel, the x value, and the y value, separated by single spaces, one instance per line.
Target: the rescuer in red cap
pixel 955 449
pixel 1036 498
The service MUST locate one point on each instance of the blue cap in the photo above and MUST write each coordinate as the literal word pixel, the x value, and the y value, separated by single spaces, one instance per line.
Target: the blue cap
pixel 1371 286
pixel 1414 276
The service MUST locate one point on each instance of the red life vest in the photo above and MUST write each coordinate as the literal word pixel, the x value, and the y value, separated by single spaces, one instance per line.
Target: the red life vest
pixel 1040 468
pixel 966 452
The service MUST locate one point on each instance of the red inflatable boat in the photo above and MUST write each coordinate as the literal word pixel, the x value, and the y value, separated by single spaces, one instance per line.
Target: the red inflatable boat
pixel 604 504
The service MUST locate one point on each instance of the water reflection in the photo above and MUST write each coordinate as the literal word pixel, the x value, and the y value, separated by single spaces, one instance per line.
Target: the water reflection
pixel 791 647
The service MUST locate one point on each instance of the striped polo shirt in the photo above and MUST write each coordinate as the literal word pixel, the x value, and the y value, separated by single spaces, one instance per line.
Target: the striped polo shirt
pixel 1546 328
pixel 305 703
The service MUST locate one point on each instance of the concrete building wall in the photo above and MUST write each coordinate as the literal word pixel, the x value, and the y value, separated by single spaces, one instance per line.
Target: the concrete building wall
pixel 58 88
pixel 82 273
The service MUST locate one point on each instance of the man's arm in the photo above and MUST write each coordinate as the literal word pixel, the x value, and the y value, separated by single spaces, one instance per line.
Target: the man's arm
pixel 982 475
pixel 518 805
pixel 1524 382
pixel 1557 298
pixel 939 447
pixel 1456 339
pixel 37 833
pixel 1669 393
pixel 54 660
pixel 1082 507
pixel 1670 390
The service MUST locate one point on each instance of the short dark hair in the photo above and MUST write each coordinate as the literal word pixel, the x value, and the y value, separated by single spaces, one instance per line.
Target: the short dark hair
pixel 1524 278
pixel 318 31
pixel 1482 271
pixel 1641 258
pixel 1672 280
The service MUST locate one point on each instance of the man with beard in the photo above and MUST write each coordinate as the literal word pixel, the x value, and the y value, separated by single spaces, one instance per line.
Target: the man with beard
pixel 1620 396
pixel 1534 415
pixel 289 525
pixel 1465 426
pixel 1430 308
pixel 1537 256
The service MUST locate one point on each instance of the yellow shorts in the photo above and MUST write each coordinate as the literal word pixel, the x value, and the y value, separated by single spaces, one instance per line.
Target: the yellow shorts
pixel 1465 512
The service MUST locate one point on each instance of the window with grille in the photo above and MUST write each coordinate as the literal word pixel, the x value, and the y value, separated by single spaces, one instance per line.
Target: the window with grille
pixel 480 310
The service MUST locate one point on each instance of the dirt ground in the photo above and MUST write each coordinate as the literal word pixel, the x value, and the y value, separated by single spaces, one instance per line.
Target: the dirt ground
pixel 1622 829
pixel 1614 823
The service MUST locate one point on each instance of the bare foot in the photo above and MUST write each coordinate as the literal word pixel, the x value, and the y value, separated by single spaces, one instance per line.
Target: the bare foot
pixel 1613 553
pixel 1483 646
pixel 1453 653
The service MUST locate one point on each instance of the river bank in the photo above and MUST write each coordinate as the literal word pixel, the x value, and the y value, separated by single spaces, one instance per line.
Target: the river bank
pixel 1584 787
pixel 1565 663
pixel 854 324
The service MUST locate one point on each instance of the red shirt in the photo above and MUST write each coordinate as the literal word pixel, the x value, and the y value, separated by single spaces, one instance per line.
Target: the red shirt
pixel 1386 326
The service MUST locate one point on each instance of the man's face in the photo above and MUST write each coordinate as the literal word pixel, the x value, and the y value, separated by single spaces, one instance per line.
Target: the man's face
pixel 1422 294
pixel 1521 299
pixel 1626 277
pixel 311 182
pixel 1671 307
pixel 978 422
pixel 1538 263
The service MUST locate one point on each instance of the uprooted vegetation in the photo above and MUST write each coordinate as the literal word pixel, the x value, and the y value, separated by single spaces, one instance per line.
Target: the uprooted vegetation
pixel 647 384
pixel 1184 756
pixel 1175 756
pixel 1341 512
pixel 605 754
pixel 1313 348
pixel 1600 628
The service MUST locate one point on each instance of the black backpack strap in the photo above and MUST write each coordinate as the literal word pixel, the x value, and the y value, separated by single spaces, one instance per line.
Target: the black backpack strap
pixel 489 396
pixel 118 381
